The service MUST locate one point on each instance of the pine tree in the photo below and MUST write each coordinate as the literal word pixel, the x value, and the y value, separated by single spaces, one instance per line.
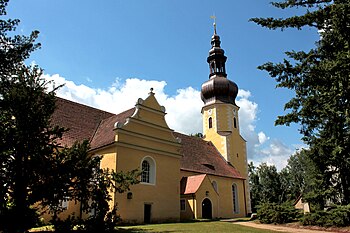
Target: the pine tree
pixel 320 79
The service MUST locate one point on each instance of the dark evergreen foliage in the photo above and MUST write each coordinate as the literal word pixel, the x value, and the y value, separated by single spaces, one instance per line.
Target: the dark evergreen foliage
pixel 27 138
pixel 336 216
pixel 278 213
pixel 320 79
pixel 33 167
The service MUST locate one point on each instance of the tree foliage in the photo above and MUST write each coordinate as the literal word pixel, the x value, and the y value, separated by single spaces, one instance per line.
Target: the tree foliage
pixel 267 185
pixel 79 178
pixel 278 213
pixel 27 136
pixel 320 79
pixel 33 167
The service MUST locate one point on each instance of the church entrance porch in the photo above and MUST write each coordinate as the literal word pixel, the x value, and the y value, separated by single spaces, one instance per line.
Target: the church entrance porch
pixel 207 209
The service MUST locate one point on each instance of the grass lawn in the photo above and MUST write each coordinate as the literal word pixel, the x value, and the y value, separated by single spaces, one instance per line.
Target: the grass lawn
pixel 209 227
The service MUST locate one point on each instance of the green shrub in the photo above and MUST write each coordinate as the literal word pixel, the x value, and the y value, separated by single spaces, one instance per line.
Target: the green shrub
pixel 65 225
pixel 336 216
pixel 7 215
pixel 278 214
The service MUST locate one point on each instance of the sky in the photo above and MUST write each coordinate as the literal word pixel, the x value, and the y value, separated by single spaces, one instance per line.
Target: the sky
pixel 110 53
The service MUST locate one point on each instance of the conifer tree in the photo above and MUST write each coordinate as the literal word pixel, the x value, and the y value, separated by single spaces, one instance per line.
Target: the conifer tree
pixel 320 79
pixel 27 137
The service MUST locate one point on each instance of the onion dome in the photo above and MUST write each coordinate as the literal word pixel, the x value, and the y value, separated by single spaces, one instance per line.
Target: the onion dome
pixel 218 89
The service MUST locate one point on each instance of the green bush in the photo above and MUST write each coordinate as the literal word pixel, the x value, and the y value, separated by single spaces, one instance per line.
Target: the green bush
pixel 336 216
pixel 7 215
pixel 65 225
pixel 278 214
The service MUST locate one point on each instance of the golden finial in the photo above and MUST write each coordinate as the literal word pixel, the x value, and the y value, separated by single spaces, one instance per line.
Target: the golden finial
pixel 214 24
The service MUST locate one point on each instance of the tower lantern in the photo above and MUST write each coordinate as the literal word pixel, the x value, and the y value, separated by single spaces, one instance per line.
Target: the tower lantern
pixel 218 89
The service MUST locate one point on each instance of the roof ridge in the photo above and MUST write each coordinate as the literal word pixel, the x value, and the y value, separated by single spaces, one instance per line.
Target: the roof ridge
pixel 190 136
pixel 84 104
pixel 96 128
pixel 116 115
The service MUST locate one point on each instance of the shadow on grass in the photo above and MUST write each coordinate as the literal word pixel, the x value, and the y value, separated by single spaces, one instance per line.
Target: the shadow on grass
pixel 149 228
pixel 138 230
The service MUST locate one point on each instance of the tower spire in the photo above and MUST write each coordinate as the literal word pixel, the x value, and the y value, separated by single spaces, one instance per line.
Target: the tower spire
pixel 218 88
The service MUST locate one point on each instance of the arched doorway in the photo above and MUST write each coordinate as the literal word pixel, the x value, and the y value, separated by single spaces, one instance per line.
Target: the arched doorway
pixel 206 209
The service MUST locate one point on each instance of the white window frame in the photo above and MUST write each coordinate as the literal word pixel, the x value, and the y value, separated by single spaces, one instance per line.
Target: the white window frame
pixel 152 170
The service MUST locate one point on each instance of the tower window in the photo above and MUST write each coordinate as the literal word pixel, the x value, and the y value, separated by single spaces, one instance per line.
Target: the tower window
pixel 210 122
pixel 235 122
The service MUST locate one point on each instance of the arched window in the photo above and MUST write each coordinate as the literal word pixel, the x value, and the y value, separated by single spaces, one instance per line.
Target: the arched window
pixel 148 174
pixel 215 185
pixel 235 199
pixel 145 171
pixel 235 122
pixel 210 121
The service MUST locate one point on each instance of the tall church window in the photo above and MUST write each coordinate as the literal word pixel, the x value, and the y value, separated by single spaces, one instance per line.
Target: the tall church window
pixel 235 122
pixel 210 122
pixel 148 175
pixel 235 198
pixel 145 172
pixel 215 185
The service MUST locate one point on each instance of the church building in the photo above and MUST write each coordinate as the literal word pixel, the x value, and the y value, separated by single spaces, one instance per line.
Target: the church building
pixel 183 177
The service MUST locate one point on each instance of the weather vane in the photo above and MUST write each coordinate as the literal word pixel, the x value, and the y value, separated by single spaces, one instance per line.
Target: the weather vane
pixel 214 24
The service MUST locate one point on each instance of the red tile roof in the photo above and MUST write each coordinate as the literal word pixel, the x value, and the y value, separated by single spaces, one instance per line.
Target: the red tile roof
pixel 202 156
pixel 81 120
pixel 97 126
pixel 191 184
pixel 104 134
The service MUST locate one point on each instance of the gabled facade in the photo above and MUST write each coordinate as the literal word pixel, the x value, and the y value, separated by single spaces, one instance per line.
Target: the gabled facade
pixel 183 177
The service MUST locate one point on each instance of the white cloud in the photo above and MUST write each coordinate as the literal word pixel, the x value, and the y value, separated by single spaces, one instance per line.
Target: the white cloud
pixel 183 111
pixel 260 147
pixel 277 153
pixel 262 137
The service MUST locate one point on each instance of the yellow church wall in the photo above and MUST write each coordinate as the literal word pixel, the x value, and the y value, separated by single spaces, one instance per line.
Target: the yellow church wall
pixel 109 157
pixel 146 135
pixel 206 190
pixel 211 133
pixel 154 142
pixel 73 208
pixel 225 135
pixel 225 200
pixel 190 209
pixel 164 195
pixel 238 155
pixel 136 125
pixel 153 116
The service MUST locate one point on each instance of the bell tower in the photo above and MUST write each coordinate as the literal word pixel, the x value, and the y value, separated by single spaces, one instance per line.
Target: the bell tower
pixel 220 111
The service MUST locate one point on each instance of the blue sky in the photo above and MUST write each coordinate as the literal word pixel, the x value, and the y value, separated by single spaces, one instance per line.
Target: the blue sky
pixel 118 48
